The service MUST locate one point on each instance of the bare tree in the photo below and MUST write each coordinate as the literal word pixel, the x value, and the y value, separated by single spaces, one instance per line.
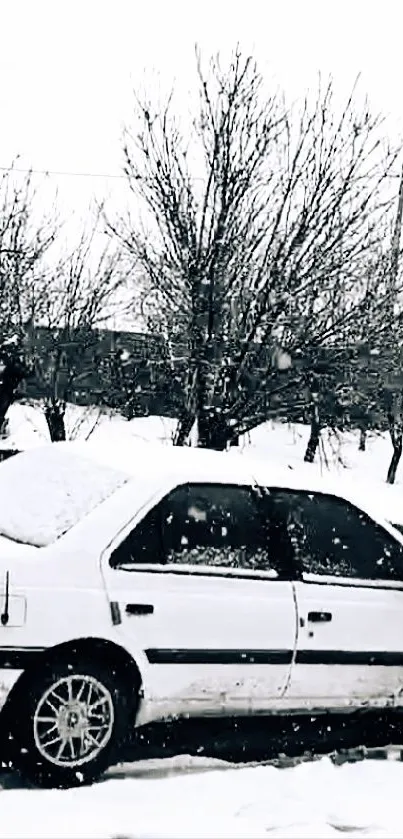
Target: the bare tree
pixel 262 255
pixel 344 388
pixel 26 237
pixel 83 292
pixel 380 327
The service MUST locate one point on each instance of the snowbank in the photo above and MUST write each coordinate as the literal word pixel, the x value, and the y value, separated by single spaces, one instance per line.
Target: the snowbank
pixel 28 428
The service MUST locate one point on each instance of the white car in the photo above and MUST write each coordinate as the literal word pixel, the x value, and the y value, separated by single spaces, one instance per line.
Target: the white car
pixel 159 583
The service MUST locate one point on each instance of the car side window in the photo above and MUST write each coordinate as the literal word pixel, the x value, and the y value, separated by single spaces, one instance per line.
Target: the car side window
pixel 212 525
pixel 332 537
pixel 143 544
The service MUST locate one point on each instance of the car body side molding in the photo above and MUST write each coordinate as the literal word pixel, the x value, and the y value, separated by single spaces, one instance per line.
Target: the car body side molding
pixel 183 656
pixel 344 657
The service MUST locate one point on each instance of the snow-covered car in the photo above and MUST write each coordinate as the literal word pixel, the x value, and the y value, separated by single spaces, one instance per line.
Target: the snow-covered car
pixel 157 583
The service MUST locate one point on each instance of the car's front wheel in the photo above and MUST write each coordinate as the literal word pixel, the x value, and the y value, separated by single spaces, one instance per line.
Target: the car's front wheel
pixel 68 724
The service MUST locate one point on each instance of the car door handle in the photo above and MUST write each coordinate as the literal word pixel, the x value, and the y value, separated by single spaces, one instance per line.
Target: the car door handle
pixel 139 609
pixel 319 617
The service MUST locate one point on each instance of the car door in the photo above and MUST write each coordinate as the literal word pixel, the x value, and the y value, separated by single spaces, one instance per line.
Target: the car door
pixel 198 592
pixel 350 604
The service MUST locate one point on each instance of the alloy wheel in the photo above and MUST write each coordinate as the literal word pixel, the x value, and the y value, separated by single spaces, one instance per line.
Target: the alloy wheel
pixel 73 721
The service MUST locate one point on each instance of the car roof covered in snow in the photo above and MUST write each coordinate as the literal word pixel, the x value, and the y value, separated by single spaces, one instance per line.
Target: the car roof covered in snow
pixel 140 459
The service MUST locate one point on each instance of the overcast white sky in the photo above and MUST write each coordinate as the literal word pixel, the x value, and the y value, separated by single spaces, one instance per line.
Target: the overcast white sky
pixel 67 67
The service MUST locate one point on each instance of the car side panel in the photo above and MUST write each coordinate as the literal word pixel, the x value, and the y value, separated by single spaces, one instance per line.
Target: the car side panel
pixel 354 656
pixel 215 644
pixel 53 614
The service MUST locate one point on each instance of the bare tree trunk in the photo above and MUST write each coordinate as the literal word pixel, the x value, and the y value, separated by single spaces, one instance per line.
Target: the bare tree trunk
pixel 214 432
pixel 13 374
pixel 184 428
pixel 394 463
pixel 363 440
pixel 396 436
pixel 314 436
pixel 313 442
pixel 55 414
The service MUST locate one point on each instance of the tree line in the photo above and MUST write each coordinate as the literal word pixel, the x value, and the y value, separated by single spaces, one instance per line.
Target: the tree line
pixel 255 233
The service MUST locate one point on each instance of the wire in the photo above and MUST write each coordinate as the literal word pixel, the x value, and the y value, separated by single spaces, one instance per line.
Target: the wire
pixel 61 173
pixel 57 173
pixel 105 175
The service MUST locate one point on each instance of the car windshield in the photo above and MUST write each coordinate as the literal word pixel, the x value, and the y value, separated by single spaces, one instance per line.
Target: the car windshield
pixel 45 492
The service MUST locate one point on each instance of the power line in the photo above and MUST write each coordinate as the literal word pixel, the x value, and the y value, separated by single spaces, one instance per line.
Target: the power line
pixel 104 175
pixel 56 173
pixel 61 173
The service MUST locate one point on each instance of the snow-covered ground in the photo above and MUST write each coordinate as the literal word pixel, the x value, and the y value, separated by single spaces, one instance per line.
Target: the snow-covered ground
pixel 209 799
pixel 198 797
pixel 28 429
pixel 339 453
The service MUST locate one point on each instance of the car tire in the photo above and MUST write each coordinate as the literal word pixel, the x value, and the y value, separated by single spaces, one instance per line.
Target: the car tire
pixel 68 723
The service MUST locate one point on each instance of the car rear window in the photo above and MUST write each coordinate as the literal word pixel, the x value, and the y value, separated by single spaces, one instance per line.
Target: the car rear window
pixel 45 492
